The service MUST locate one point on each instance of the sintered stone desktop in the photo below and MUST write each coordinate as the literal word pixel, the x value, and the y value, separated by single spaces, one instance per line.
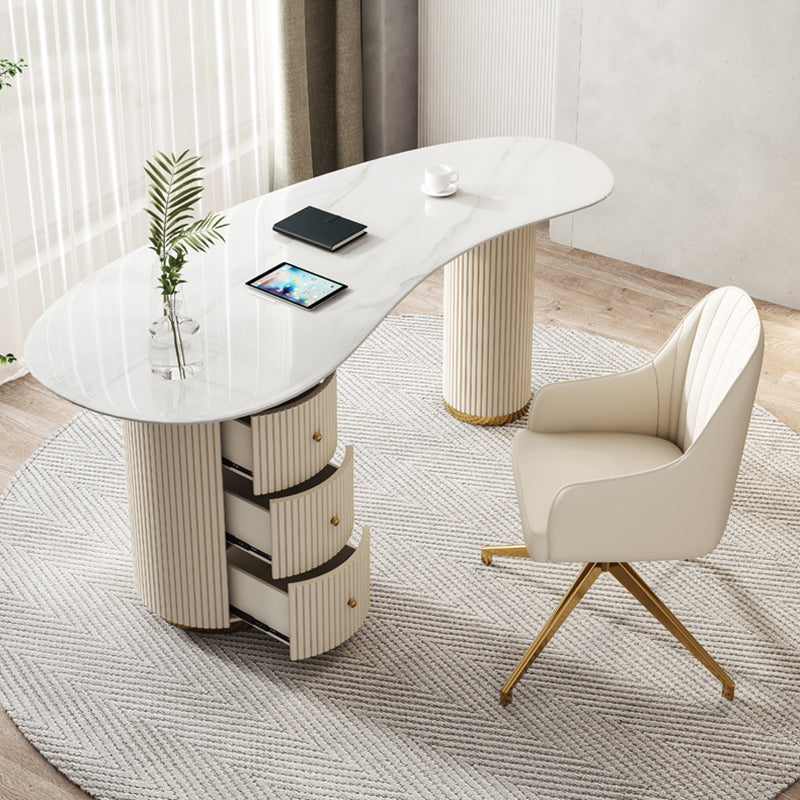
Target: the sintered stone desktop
pixel 271 361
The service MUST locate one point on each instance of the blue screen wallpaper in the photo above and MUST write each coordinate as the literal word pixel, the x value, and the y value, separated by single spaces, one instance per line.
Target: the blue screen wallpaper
pixel 297 285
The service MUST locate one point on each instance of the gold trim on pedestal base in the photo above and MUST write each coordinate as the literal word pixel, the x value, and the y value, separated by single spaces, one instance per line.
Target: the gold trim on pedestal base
pixel 234 627
pixel 633 582
pixel 473 420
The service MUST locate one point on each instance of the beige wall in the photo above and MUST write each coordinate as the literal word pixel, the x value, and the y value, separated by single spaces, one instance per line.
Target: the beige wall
pixel 694 106
pixel 696 109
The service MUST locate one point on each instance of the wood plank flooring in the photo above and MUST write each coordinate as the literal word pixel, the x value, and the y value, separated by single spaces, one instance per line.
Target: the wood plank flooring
pixel 574 289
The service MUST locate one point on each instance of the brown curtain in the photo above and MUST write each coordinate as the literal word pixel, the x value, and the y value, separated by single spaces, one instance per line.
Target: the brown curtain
pixel 390 44
pixel 319 124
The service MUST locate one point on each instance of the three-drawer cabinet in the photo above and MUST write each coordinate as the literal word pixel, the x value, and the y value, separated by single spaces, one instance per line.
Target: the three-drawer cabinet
pixel 250 519
pixel 288 514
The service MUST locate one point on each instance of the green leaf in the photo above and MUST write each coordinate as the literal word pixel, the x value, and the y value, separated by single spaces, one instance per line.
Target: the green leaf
pixel 175 187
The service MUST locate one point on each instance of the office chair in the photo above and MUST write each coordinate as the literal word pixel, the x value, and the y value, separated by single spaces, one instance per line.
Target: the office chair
pixel 639 465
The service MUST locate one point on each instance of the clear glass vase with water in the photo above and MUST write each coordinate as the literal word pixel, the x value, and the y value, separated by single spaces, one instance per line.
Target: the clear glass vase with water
pixel 175 347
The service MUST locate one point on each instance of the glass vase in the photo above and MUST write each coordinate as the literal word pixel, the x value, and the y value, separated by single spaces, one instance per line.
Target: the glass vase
pixel 175 349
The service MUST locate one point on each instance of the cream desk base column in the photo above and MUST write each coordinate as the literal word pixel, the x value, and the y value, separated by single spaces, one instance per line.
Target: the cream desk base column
pixel 488 328
pixel 175 502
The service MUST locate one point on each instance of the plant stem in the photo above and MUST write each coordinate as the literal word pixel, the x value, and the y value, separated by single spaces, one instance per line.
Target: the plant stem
pixel 169 310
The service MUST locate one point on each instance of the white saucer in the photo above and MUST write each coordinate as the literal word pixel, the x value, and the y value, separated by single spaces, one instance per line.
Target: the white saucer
pixel 451 189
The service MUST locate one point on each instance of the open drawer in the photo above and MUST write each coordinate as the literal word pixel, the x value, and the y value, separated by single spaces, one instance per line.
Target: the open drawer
pixel 285 445
pixel 298 529
pixel 313 612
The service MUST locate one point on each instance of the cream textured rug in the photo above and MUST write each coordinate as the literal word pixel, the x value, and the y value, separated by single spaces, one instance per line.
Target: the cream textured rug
pixel 129 707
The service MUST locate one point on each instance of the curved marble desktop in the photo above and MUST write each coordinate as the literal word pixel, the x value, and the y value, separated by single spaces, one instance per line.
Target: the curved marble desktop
pixel 91 345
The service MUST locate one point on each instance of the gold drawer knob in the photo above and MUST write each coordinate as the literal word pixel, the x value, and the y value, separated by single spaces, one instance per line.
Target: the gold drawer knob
pixel 352 602
pixel 334 521
pixel 317 437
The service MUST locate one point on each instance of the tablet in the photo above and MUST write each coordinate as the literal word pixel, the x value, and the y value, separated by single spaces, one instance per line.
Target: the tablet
pixel 299 286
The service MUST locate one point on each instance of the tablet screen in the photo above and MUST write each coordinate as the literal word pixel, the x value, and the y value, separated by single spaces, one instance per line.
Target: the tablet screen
pixel 298 286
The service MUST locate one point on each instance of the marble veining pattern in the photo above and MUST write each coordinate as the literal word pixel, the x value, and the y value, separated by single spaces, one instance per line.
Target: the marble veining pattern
pixel 91 345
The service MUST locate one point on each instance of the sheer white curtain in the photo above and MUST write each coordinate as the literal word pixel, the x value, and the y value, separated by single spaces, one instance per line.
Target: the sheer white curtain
pixel 109 83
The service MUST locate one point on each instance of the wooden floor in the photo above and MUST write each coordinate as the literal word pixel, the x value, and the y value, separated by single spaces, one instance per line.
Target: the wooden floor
pixel 573 289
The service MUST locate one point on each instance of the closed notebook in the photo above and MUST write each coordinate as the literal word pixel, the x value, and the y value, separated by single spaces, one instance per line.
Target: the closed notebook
pixel 322 228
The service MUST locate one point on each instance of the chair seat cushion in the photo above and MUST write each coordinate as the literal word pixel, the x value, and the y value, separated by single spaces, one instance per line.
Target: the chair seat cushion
pixel 545 462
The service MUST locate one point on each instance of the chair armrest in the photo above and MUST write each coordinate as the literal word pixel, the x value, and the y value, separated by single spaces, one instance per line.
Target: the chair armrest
pixel 625 402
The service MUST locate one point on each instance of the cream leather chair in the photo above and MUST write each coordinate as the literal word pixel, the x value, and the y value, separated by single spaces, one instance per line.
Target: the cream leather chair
pixel 640 465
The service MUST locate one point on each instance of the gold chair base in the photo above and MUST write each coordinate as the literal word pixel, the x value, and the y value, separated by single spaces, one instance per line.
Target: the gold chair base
pixel 633 582
pixel 511 550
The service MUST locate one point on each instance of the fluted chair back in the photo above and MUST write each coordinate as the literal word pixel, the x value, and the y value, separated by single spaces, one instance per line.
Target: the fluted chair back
pixel 706 376
pixel 705 363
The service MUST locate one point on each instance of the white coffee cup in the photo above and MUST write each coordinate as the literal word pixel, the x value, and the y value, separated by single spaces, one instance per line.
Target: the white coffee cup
pixel 438 178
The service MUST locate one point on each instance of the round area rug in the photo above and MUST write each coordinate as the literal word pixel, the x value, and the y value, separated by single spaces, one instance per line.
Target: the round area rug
pixel 130 707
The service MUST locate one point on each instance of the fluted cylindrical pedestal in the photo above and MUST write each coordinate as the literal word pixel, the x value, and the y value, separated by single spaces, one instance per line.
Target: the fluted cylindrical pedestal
pixel 175 503
pixel 488 328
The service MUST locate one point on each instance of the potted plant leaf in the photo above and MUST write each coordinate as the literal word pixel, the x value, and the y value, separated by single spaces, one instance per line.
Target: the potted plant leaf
pixel 175 187
pixel 8 69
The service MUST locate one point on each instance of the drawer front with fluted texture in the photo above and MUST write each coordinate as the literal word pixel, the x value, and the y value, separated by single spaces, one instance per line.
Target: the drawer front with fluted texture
pixel 312 526
pixel 327 609
pixel 296 531
pixel 295 441
pixel 314 613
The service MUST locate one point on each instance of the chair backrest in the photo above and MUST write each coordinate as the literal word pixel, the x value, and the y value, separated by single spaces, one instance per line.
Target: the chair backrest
pixel 713 357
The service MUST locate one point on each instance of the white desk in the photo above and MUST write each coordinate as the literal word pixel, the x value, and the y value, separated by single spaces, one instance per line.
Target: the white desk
pixel 91 345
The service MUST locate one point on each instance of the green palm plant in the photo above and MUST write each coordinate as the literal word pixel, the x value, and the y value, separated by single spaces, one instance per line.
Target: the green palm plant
pixel 175 187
